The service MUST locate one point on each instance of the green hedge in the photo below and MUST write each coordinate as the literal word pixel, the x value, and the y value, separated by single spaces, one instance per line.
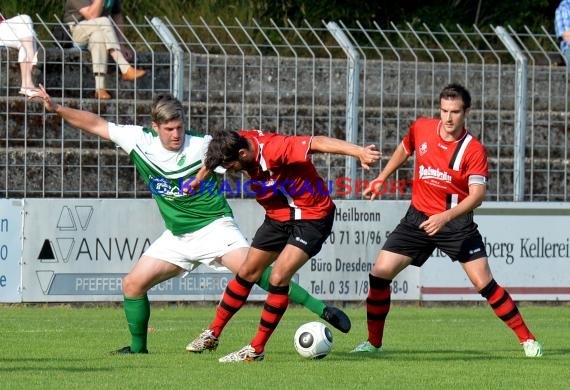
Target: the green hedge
pixel 516 13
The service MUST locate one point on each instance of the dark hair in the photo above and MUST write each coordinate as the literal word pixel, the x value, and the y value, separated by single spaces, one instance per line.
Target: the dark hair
pixel 224 148
pixel 455 91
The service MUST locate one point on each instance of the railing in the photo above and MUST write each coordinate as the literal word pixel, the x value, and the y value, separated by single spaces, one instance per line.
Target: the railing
pixel 293 79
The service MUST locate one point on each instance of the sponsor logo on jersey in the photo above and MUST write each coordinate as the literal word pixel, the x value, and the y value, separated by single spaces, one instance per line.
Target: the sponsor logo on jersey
pixel 426 173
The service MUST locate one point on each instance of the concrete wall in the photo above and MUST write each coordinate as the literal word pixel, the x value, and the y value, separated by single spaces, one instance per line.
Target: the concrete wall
pixel 280 94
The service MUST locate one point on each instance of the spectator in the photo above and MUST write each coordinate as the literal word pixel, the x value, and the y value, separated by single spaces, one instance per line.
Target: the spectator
pixel 90 25
pixel 562 28
pixel 18 33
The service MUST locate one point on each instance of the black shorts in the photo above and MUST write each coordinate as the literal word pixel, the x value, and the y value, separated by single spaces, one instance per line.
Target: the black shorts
pixel 459 239
pixel 306 234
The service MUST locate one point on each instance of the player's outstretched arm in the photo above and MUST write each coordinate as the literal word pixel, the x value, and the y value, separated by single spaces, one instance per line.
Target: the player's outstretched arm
pixel 83 120
pixel 398 158
pixel 366 154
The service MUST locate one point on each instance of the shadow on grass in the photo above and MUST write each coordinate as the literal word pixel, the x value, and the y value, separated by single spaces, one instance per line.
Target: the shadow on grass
pixel 31 364
pixel 439 355
pixel 13 370
pixel 50 360
pixel 444 355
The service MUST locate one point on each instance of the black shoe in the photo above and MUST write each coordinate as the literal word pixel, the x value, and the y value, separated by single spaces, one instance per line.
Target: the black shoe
pixel 127 350
pixel 336 318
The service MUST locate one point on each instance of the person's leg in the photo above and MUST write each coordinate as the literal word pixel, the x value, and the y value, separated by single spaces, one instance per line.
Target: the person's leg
pixel 98 51
pixel 113 46
pixel 88 33
pixel 147 272
pixel 100 34
pixel 297 294
pixel 567 58
pixel 387 266
pixel 28 53
pixel 500 300
pixel 26 58
pixel 378 304
pixel 238 289
pixel 111 42
pixel 288 262
pixel 18 32
pixel 119 58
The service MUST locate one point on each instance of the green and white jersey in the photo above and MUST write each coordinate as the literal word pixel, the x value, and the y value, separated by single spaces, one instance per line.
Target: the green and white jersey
pixel 166 173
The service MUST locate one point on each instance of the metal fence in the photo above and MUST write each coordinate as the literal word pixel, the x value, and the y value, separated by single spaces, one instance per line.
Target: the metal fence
pixel 363 84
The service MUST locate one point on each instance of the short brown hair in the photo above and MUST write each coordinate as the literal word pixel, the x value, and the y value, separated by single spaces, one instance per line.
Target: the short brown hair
pixel 454 91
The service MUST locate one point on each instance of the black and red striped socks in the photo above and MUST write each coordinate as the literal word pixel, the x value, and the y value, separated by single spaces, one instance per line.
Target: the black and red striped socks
pixel 377 308
pixel 506 309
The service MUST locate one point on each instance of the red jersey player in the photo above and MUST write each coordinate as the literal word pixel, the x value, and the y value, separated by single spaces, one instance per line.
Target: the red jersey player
pixel 284 179
pixel 299 218
pixel 449 183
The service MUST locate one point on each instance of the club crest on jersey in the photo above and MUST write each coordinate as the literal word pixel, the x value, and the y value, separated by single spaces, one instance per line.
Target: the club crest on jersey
pixel 181 160
pixel 423 148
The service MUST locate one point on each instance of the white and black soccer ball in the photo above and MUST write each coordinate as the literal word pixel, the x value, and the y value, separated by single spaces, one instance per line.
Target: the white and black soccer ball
pixel 313 340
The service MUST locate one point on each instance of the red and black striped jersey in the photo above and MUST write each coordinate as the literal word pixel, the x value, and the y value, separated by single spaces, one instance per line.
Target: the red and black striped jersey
pixel 443 168
pixel 285 181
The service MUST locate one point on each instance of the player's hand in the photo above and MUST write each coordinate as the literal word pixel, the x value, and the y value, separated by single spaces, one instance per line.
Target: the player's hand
pixel 194 186
pixel 371 192
pixel 369 155
pixel 433 224
pixel 44 96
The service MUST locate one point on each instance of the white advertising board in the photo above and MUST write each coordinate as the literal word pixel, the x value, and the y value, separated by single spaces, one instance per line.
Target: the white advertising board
pixel 528 245
pixel 340 271
pixel 11 211
pixel 79 250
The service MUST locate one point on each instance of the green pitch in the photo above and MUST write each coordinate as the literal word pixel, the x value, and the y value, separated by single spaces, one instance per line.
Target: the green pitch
pixel 439 348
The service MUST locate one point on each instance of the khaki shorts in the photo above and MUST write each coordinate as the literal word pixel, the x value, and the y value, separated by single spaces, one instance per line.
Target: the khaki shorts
pixel 204 246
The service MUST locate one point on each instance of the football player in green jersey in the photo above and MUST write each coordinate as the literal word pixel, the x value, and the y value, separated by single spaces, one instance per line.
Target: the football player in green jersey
pixel 200 228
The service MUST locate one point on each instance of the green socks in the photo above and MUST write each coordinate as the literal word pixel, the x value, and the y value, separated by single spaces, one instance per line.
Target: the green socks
pixel 137 311
pixel 297 294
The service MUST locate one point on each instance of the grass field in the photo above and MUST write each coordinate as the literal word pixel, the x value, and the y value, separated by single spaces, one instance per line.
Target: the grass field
pixel 55 347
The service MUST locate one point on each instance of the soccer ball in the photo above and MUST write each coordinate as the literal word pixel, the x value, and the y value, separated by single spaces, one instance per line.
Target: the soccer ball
pixel 313 340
